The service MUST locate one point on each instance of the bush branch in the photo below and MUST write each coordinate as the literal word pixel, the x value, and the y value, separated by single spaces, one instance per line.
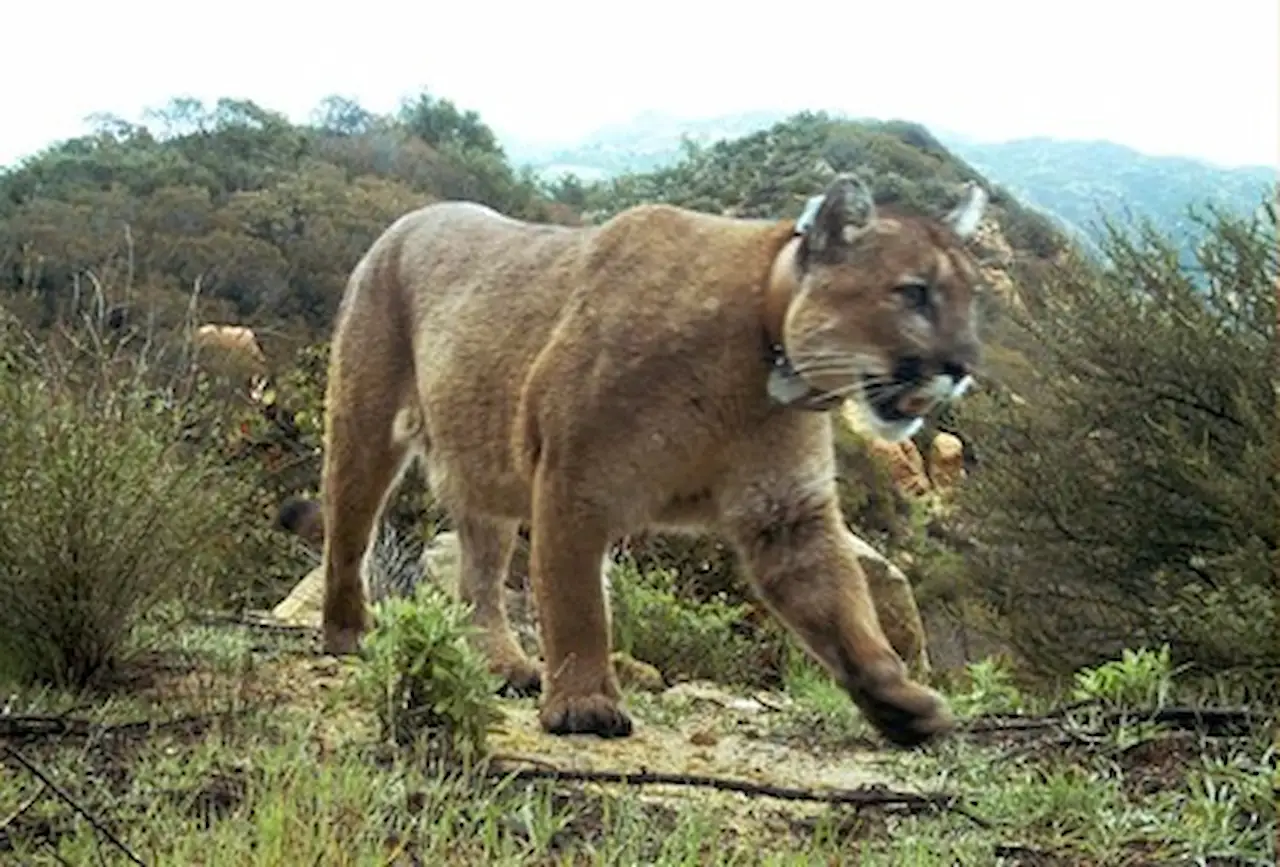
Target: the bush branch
pixel 867 796
pixel 33 726
pixel 1212 720
pixel 71 802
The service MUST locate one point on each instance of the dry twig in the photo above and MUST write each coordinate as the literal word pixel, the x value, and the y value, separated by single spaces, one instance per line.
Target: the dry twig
pixel 261 623
pixel 33 726
pixel 868 796
pixel 1213 720
pixel 71 802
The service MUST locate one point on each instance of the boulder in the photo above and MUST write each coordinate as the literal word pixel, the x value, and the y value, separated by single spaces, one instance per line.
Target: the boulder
pixel 304 603
pixel 896 608
pixel 946 460
pixel 903 459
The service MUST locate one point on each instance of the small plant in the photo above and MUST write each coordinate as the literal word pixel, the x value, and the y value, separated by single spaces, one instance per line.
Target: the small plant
pixel 423 678
pixel 1141 678
pixel 1230 804
pixel 990 689
pixel 711 639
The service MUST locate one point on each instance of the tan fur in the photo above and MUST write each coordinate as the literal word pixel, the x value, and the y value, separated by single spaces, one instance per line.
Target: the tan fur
pixel 595 382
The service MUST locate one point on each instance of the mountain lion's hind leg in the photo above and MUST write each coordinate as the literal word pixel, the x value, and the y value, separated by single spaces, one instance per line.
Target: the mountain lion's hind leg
pixel 486 545
pixel 366 447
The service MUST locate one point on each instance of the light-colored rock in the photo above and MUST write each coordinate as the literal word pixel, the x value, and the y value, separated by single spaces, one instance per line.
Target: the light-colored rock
pixel 896 607
pixel 440 561
pixel 235 340
pixel 705 691
pixel 905 463
pixel 634 674
pixel 304 603
pixel 946 460
pixel 906 466
pixel 996 258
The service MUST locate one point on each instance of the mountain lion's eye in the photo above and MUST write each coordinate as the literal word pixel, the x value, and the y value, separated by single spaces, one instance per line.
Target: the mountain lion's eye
pixel 916 296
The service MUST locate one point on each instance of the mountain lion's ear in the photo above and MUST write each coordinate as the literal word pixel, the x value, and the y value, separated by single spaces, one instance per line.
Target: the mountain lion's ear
pixel 836 217
pixel 966 216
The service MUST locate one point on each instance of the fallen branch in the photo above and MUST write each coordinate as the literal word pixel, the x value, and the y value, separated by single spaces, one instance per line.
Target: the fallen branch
pixel 33 726
pixel 1211 719
pixel 260 622
pixel 1015 722
pixel 868 796
pixel 71 802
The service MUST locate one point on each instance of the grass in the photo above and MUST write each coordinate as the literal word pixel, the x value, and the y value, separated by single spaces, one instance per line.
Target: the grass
pixel 281 766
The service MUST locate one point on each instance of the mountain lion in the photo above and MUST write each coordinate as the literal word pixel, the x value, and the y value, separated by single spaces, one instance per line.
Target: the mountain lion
pixel 666 370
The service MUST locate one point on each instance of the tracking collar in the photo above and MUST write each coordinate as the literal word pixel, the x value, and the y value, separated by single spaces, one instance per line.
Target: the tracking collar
pixel 786 387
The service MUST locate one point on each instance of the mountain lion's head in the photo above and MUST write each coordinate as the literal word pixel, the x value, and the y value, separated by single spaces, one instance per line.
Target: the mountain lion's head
pixel 882 306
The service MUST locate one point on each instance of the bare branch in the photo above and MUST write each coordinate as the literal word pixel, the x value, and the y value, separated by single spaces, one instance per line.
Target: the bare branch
pixel 866 796
pixel 73 804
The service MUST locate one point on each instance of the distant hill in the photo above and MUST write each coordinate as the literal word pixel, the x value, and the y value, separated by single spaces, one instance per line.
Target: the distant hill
pixel 1076 181
pixel 649 141
pixel 1072 181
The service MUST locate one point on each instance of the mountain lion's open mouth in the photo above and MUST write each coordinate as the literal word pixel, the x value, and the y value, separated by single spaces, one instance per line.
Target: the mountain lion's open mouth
pixel 896 402
pixel 896 406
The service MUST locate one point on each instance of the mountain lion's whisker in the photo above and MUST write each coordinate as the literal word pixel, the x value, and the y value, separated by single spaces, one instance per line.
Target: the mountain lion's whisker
pixel 832 368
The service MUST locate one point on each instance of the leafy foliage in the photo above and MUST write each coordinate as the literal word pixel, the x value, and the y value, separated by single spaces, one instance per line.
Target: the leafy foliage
pixel 1131 499
pixel 424 679
pixel 712 638
pixel 1139 678
pixel 107 516
pixel 990 689
pixel 266 216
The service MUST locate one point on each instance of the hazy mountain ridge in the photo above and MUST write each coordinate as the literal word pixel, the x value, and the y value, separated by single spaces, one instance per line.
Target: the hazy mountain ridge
pixel 650 141
pixel 1075 182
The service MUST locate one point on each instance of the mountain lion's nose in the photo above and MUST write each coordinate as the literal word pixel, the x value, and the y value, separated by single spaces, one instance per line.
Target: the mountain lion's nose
pixel 957 370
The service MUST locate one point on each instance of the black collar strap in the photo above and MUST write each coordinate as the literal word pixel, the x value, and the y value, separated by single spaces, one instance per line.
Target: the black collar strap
pixel 786 387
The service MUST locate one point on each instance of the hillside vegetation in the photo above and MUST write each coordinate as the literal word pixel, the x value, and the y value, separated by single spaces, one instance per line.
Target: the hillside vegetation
pixel 1077 183
pixel 264 216
pixel 770 173
pixel 1098 577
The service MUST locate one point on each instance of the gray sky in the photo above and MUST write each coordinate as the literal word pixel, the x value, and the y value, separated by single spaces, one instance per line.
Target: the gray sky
pixel 1193 78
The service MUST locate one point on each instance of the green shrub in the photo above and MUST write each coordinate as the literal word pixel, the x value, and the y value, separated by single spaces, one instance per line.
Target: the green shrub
pixel 989 688
pixel 704 567
pixel 106 516
pixel 1139 678
pixel 424 680
pixel 1131 499
pixel 685 638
